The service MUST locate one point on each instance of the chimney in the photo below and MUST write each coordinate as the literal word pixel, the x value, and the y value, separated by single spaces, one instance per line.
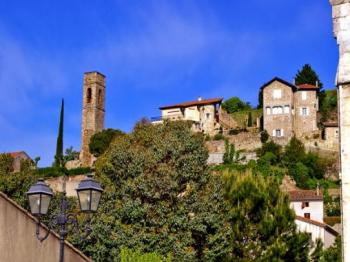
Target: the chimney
pixel 318 189
pixel 199 98
pixel 316 83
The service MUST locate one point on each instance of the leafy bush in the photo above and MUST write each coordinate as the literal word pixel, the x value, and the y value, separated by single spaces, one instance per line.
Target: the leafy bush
pixel 234 104
pixel 232 155
pixel 219 136
pixel 270 147
pixel 264 136
pixel 47 172
pixel 100 141
pixel 129 255
pixel 6 163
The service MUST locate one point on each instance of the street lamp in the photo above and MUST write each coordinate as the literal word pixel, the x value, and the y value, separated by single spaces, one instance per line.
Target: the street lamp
pixel 39 195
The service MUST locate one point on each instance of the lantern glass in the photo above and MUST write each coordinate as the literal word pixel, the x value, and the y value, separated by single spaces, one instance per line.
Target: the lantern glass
pixel 95 200
pixel 84 200
pixel 39 203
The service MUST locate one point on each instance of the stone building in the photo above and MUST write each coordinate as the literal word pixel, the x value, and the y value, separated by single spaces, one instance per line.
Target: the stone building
pixel 331 135
pixel 204 113
pixel 18 157
pixel 289 109
pixel 93 114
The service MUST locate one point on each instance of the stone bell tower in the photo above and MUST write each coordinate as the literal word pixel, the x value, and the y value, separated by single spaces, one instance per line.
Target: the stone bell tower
pixel 93 115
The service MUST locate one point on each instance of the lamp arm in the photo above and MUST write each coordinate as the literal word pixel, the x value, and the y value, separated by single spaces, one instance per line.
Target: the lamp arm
pixel 83 234
pixel 37 231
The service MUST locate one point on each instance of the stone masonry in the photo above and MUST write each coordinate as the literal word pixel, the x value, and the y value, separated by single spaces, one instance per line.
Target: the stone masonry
pixel 341 29
pixel 93 112
pixel 289 110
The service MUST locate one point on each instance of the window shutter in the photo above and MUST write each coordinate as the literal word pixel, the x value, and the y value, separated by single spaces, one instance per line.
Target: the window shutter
pixel 301 111
pixel 282 133
pixel 274 132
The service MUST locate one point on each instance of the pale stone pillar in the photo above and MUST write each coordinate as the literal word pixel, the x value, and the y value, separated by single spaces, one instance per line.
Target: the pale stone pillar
pixel 341 28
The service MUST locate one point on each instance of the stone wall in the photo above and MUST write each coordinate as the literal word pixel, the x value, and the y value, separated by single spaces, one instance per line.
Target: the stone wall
pixel 341 28
pixel 18 242
pixel 305 124
pixel 282 121
pixel 72 183
pixel 93 112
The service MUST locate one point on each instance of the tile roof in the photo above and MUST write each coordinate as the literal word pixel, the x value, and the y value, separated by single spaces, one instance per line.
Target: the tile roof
pixel 194 103
pixel 331 124
pixel 307 87
pixel 317 223
pixel 301 195
pixel 17 154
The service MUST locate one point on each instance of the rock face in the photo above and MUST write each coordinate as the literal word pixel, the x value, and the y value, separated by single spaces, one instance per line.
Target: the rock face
pixel 93 112
pixel 341 28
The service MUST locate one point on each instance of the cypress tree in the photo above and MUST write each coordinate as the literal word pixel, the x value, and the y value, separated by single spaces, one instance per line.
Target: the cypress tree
pixel 307 76
pixel 59 145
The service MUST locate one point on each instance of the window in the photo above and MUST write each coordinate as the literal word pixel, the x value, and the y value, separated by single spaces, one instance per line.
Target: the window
pixel 100 97
pixel 277 110
pixel 307 215
pixel 303 95
pixel 88 96
pixel 277 132
pixel 304 204
pixel 304 111
pixel 277 93
pixel 208 115
pixel 286 109
pixel 268 110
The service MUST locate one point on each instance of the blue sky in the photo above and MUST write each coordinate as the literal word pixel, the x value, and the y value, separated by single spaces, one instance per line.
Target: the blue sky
pixel 152 52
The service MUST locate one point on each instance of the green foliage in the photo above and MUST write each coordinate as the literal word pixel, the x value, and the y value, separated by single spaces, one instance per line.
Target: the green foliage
pixel 307 76
pixel 232 155
pixel 59 146
pixel 159 197
pixel 264 136
pixel 6 163
pixel 328 104
pixel 333 253
pixel 262 223
pixel 100 141
pixel 218 136
pixel 270 147
pixel 234 104
pixel 49 172
pixel 293 152
pixel 70 154
pixel 16 184
pixel 128 255
pixel 242 116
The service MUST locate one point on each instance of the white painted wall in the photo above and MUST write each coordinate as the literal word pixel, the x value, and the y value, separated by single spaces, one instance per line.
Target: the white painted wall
pixel 315 209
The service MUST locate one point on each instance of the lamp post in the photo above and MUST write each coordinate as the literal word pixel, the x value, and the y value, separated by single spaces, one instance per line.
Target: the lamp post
pixel 39 195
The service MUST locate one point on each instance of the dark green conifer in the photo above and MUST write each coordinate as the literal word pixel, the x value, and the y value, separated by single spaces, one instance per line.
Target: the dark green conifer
pixel 59 145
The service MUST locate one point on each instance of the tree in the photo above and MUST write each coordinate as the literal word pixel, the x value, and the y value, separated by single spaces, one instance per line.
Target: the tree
pixel 333 253
pixel 70 154
pixel 159 197
pixel 234 104
pixel 231 155
pixel 129 255
pixel 250 119
pixel 100 141
pixel 293 152
pixel 307 76
pixel 260 99
pixel 264 136
pixel 6 163
pixel 59 145
pixel 262 223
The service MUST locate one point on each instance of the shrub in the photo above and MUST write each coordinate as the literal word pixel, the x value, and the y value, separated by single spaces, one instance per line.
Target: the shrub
pixel 100 141
pixel 234 104
pixel 264 136
pixel 218 137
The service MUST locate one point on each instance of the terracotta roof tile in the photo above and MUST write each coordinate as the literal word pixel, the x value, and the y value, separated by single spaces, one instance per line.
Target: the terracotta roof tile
pixel 194 103
pixel 300 195
pixel 307 86
pixel 317 223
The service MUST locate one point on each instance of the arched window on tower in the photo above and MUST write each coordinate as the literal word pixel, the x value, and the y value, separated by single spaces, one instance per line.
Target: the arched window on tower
pixel 100 97
pixel 88 96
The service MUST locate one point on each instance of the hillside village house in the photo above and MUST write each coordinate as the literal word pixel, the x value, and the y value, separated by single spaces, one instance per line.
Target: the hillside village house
pixel 308 208
pixel 204 113
pixel 289 109
pixel 17 158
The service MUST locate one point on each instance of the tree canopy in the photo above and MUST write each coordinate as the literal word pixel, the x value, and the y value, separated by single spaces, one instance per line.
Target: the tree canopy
pixel 234 104
pixel 100 141
pixel 59 145
pixel 307 76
